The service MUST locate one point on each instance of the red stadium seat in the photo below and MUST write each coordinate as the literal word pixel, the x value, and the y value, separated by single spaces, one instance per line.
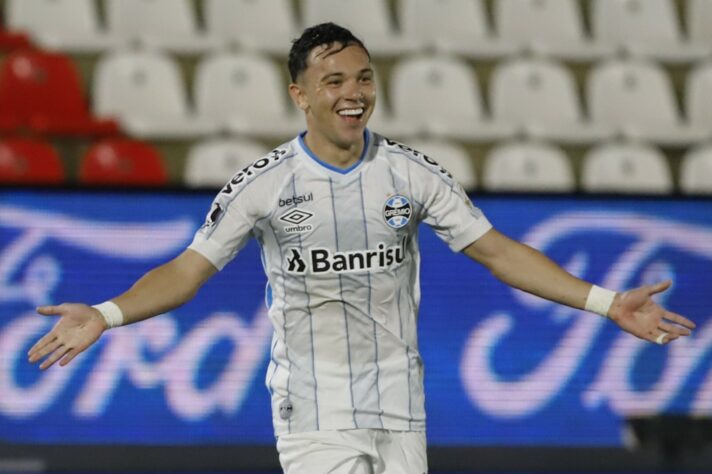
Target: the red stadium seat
pixel 24 161
pixel 42 91
pixel 11 40
pixel 123 162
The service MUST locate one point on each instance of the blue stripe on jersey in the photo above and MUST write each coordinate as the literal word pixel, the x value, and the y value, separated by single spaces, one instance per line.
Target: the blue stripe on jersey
pixel 343 304
pixel 311 323
pixel 307 150
pixel 373 321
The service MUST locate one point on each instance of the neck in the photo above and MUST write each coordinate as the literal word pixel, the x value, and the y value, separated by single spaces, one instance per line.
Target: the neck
pixel 332 153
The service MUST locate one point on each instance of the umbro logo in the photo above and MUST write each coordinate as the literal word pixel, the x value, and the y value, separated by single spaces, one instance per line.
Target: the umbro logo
pixel 296 217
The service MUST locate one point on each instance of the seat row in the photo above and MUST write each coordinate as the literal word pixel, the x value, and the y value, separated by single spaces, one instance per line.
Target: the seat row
pixel 647 27
pixel 519 166
pixel 143 93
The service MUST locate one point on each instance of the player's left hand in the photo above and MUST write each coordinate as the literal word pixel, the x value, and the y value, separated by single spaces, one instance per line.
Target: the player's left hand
pixel 636 312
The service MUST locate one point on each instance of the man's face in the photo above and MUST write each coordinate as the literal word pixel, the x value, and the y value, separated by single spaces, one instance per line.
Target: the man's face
pixel 337 93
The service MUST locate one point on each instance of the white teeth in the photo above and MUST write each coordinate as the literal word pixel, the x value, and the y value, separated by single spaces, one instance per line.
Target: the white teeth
pixel 358 111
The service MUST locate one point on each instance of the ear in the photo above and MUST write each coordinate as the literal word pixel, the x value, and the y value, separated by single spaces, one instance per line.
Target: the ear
pixel 298 96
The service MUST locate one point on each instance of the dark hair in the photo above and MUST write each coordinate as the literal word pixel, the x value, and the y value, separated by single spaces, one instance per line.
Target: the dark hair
pixel 318 35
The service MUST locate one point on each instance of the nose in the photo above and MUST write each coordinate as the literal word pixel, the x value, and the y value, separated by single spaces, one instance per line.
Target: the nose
pixel 355 91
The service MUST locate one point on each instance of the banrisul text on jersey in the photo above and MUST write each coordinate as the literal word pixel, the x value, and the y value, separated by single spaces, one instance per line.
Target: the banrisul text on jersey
pixel 323 260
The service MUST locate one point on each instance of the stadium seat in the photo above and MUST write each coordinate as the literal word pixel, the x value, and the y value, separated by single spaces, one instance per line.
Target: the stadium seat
pixel 698 96
pixel 699 19
pixel 696 171
pixel 636 97
pixel 626 168
pixel 452 157
pixel 648 28
pixel 440 96
pixel 552 28
pixel 527 167
pixel 122 162
pixel 246 94
pixel 451 26
pixel 264 26
pixel 165 24
pixel 41 91
pixel 26 162
pixel 211 163
pixel 540 98
pixel 12 40
pixel 64 25
pixel 144 90
pixel 367 19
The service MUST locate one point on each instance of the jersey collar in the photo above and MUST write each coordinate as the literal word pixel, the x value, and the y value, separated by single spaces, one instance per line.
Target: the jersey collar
pixel 335 169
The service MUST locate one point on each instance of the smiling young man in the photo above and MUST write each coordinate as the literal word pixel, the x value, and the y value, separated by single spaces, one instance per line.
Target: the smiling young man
pixel 336 211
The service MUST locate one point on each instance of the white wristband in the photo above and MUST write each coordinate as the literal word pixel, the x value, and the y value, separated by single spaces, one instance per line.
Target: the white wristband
pixel 111 312
pixel 599 300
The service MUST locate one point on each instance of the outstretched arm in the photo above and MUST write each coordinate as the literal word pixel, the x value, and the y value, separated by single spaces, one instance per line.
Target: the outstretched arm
pixel 164 288
pixel 527 269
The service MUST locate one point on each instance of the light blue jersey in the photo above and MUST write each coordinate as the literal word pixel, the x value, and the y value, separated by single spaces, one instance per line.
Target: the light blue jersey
pixel 341 253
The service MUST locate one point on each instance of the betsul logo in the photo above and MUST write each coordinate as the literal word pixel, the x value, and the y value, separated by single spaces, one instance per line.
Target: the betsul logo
pixel 397 211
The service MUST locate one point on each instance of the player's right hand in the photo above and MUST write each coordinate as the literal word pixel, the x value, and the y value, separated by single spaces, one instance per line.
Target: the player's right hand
pixel 79 326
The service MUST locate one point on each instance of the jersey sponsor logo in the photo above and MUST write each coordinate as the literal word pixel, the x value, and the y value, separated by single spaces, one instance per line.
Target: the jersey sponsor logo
pixel 397 211
pixel 296 217
pixel 296 200
pixel 215 212
pixel 321 260
pixel 417 154
pixel 253 169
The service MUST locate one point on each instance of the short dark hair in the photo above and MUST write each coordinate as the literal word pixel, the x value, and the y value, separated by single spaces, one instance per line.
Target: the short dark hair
pixel 318 35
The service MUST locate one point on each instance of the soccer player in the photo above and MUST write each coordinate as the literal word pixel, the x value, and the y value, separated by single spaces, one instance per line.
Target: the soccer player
pixel 336 211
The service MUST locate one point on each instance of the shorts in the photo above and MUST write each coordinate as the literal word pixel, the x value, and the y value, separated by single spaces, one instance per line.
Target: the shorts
pixel 360 451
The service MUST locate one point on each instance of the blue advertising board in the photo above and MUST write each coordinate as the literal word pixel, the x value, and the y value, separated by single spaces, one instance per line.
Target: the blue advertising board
pixel 502 367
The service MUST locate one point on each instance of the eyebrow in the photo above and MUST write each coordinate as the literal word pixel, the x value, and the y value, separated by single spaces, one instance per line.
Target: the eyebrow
pixel 341 74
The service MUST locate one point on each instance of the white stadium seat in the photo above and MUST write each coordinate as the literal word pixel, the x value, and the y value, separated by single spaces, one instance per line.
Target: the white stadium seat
pixel 65 25
pixel 698 96
pixel 452 157
pixel 636 97
pixel 451 26
pixel 440 96
pixel 528 167
pixel 627 168
pixel 645 27
pixel 165 24
pixel 369 20
pixel 552 27
pixel 540 98
pixel 265 25
pixel 696 171
pixel 145 92
pixel 245 94
pixel 211 163
pixel 699 19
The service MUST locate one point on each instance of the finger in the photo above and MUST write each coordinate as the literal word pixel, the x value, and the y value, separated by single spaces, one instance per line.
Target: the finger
pixel 679 319
pixel 48 348
pixel 674 329
pixel 56 355
pixel 69 356
pixel 46 339
pixel 50 310
pixel 658 287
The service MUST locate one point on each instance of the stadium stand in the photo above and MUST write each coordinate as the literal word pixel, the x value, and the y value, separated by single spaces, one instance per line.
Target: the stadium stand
pixel 122 162
pixel 698 96
pixel 144 90
pixel 451 27
pixel 552 28
pixel 527 166
pixel 30 162
pixel 41 91
pixel 62 25
pixel 212 162
pixel 626 168
pixel 539 97
pixel 440 96
pixel 696 170
pixel 264 26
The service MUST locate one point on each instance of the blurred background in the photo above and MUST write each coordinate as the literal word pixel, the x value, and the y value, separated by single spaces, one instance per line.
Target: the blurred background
pixel 581 127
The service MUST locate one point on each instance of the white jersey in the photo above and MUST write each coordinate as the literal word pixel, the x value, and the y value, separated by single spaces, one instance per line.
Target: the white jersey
pixel 340 250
